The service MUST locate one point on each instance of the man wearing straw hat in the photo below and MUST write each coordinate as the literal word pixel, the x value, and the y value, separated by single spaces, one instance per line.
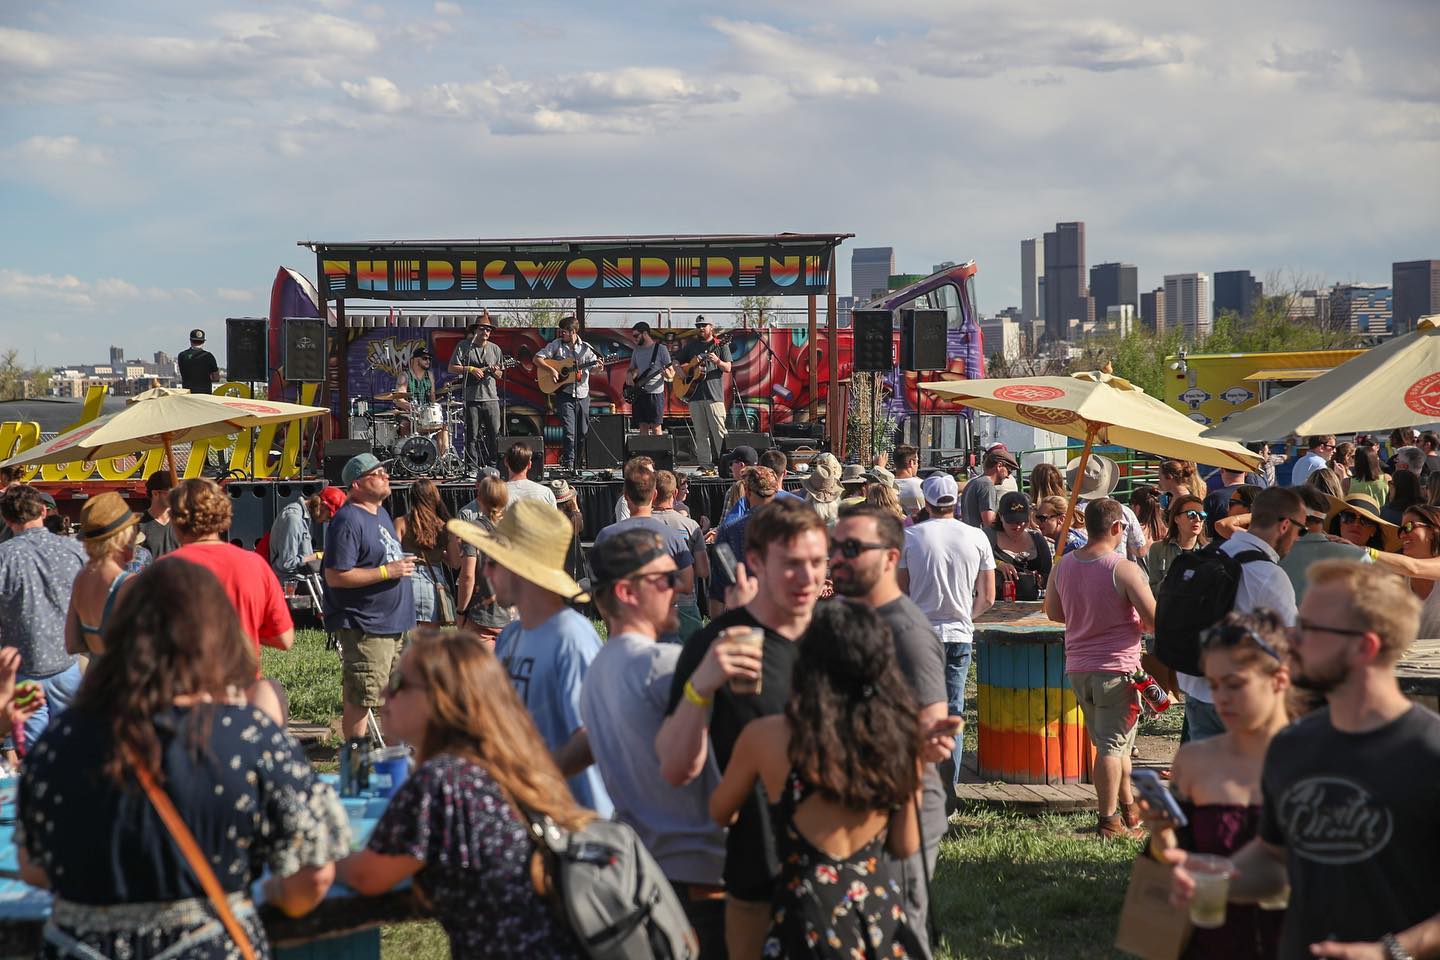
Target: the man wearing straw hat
pixel 548 649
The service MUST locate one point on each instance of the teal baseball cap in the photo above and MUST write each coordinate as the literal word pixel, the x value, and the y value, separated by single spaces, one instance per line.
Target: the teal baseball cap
pixel 357 466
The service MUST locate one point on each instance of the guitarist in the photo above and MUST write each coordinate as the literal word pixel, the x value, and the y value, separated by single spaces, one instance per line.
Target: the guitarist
pixel 479 361
pixel 572 402
pixel 707 397
pixel 650 367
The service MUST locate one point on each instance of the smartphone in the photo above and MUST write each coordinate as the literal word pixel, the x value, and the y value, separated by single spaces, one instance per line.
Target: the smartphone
pixel 1148 784
pixel 726 558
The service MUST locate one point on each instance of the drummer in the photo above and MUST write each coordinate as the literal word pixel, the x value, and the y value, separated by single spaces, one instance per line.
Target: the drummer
pixel 415 396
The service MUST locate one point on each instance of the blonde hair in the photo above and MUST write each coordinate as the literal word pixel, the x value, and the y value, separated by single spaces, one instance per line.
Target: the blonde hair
pixel 883 495
pixel 198 508
pixel 494 496
pixel 1379 601
pixel 98 548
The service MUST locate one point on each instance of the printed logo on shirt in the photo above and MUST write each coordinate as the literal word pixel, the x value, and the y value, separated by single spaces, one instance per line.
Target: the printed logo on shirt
pixel 1333 820
pixel 520 670
pixel 391 546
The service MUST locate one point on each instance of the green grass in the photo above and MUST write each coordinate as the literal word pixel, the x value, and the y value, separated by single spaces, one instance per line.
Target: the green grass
pixel 310 674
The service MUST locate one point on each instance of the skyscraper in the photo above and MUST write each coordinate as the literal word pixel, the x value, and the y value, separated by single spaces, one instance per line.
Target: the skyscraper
pixel 1152 309
pixel 1114 285
pixel 870 270
pixel 1361 307
pixel 1032 279
pixel 117 357
pixel 1416 286
pixel 1066 297
pixel 1237 292
pixel 1187 303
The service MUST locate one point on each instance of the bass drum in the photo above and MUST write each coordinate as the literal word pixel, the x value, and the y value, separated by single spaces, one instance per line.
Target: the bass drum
pixel 418 456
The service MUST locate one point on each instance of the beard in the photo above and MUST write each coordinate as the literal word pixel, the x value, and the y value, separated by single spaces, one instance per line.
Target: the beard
pixel 1322 678
pixel 851 582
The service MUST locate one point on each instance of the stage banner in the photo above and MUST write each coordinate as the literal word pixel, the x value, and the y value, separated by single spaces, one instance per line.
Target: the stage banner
pixel 790 269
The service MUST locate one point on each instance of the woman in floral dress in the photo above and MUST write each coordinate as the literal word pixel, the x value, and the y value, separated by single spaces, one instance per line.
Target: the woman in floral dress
pixel 841 767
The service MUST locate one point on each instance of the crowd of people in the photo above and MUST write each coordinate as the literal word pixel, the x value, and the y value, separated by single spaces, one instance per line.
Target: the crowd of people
pixel 773 701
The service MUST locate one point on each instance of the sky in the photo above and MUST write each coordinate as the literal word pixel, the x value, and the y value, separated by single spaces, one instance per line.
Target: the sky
pixel 160 160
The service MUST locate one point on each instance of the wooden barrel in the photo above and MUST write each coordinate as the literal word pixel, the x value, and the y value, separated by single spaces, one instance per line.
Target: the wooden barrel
pixel 1031 728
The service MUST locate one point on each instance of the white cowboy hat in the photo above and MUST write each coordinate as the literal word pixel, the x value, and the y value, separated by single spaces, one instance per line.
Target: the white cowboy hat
pixel 1102 476
pixel 532 541
pixel 823 483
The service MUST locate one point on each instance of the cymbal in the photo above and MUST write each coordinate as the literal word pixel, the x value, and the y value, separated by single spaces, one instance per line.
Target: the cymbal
pixel 454 386
pixel 393 395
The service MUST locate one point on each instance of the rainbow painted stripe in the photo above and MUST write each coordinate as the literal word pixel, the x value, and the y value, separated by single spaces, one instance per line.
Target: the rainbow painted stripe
pixel 1031 728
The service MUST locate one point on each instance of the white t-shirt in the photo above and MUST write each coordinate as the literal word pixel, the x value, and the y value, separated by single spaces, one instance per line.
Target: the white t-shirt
pixel 529 490
pixel 944 558
pixel 1132 545
pixel 912 494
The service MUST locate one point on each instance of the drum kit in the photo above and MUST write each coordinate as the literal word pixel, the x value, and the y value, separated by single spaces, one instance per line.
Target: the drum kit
pixel 406 439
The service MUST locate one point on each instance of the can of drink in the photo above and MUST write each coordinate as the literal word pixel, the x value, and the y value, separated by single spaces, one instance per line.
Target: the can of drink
pixel 1007 591
pixel 354 766
pixel 388 769
pixel 1153 695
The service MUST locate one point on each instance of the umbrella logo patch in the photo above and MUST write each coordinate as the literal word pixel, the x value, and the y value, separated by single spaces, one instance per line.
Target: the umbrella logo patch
pixel 1045 416
pixel 1424 395
pixel 1030 393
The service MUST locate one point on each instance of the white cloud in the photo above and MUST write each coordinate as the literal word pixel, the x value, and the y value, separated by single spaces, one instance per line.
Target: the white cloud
pixel 445 9
pixel 66 149
pixel 231 295
pixel 25 288
pixel 806 70
pixel 378 93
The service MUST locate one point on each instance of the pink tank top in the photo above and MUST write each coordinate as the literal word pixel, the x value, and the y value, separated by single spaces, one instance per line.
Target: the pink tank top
pixel 1102 628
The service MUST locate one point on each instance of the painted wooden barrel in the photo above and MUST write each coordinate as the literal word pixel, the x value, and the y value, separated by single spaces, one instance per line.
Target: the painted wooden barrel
pixel 1031 728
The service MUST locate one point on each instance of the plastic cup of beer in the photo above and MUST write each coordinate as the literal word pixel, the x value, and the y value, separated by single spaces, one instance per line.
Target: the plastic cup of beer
pixel 1212 888
pixel 1280 901
pixel 749 637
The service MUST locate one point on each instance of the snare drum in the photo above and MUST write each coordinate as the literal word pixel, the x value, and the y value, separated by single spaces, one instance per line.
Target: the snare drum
pixel 387 431
pixel 430 418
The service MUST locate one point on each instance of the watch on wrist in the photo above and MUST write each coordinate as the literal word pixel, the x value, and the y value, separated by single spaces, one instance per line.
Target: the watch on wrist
pixel 1393 950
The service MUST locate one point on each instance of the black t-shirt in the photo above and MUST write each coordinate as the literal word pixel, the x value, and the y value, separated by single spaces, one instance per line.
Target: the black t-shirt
pixel 921 658
pixel 159 537
pixel 1359 816
pixel 712 386
pixel 196 365
pixel 751 863
pixel 1039 561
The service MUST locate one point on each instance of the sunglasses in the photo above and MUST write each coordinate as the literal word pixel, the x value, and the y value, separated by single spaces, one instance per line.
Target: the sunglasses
pixel 1195 514
pixel 1229 635
pixel 1309 626
pixel 1409 526
pixel 665 579
pixel 851 548
pixel 1042 517
pixel 1350 516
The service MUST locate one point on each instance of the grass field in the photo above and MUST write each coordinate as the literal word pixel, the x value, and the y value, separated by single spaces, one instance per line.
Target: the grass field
pixel 1007 886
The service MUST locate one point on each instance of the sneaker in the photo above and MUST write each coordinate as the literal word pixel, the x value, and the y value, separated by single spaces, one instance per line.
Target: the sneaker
pixel 1114 826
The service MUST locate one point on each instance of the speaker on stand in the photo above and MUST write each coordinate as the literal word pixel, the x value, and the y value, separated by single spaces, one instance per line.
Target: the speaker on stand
pixel 246 352
pixel 874 345
pixel 304 342
pixel 922 339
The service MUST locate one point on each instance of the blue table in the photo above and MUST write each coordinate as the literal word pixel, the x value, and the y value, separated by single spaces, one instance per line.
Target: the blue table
pixel 343 927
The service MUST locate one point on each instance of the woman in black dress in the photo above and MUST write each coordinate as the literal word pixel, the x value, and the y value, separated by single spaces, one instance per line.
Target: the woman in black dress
pixel 841 767
pixel 1018 546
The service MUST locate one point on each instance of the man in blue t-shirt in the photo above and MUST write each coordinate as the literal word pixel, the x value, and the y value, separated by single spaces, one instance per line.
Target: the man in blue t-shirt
pixel 369 603
pixel 548 648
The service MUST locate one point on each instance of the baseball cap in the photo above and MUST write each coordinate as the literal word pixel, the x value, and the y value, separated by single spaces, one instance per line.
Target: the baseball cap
pixel 941 490
pixel 333 498
pixel 745 455
pixel 641 327
pixel 357 466
pixel 700 321
pixel 761 481
pixel 1014 507
pixel 198 335
pixel 617 557
pixel 422 352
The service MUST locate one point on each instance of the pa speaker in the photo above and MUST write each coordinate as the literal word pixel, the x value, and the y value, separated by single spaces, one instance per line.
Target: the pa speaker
pixel 605 442
pixel 304 349
pixel 922 339
pixel 338 453
pixel 874 346
pixel 661 449
pixel 251 512
pixel 245 353
pixel 737 438
pixel 537 454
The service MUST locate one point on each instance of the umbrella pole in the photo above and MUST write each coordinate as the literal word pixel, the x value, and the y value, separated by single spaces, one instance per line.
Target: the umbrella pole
pixel 170 456
pixel 1074 494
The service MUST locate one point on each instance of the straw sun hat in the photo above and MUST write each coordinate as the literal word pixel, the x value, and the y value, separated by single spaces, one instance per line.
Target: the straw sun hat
pixel 1366 507
pixel 532 541
pixel 104 515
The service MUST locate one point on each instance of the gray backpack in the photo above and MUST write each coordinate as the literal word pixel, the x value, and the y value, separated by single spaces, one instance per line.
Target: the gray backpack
pixel 610 892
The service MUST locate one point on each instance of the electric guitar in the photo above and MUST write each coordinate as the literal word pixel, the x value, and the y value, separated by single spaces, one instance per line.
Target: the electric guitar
pixel 551 375
pixel 631 391
pixel 692 371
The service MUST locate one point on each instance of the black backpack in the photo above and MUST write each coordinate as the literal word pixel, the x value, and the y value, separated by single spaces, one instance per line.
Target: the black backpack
pixel 1197 592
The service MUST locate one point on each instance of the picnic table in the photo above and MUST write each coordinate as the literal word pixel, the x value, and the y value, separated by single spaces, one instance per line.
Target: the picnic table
pixel 1419 673
pixel 345 926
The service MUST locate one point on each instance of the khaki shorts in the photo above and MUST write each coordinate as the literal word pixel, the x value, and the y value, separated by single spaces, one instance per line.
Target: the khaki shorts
pixel 1111 706
pixel 367 660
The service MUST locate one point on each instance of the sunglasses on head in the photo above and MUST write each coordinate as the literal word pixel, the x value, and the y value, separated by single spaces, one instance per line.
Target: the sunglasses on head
pixel 1229 635
pixel 850 548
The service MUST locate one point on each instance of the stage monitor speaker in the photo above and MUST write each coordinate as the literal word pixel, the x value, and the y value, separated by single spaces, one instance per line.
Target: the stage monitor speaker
pixel 304 349
pixel 605 442
pixel 251 512
pixel 537 453
pixel 245 353
pixel 874 344
pixel 338 453
pixel 922 339
pixel 738 438
pixel 661 449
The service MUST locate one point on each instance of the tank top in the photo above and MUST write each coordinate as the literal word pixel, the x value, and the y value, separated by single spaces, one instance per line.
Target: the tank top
pixel 1102 629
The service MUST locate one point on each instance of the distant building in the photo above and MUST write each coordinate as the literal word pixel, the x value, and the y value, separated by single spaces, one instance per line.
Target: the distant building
pixel 1001 335
pixel 943 265
pixel 1361 307
pixel 1066 296
pixel 1121 318
pixel 123 377
pixel 1114 284
pixel 1032 279
pixel 1416 288
pixel 117 356
pixel 1237 292
pixel 897 280
pixel 1187 303
pixel 1311 305
pixel 844 308
pixel 870 270
pixel 1152 309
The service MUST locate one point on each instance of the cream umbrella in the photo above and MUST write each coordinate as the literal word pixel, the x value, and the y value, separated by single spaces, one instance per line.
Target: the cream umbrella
pixel 165 418
pixel 1093 406
pixel 1396 384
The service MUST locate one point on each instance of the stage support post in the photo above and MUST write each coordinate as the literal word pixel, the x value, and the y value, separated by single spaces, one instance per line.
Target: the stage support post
pixel 834 419
pixel 580 313
pixel 813 333
pixel 337 425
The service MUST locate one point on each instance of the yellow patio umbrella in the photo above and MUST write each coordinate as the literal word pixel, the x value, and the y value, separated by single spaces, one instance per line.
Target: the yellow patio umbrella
pixel 161 418
pixel 1396 384
pixel 1093 406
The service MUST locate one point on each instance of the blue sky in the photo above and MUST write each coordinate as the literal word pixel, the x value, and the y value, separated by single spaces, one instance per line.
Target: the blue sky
pixel 158 161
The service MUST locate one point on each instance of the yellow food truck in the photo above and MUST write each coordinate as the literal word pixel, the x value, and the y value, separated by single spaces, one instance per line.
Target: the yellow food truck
pixel 1210 387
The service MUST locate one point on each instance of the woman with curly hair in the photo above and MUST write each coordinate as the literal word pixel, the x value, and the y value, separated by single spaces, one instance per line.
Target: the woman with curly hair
pixel 458 824
pixel 422 533
pixel 108 531
pixel 841 768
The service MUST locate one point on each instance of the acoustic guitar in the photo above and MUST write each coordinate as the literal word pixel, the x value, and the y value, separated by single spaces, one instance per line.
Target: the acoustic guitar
pixel 551 375
pixel 692 371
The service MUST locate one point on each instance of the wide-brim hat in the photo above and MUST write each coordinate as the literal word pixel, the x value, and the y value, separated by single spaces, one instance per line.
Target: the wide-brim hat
pixel 823 481
pixel 1366 506
pixel 852 475
pixel 1101 478
pixel 880 475
pixel 532 541
pixel 105 515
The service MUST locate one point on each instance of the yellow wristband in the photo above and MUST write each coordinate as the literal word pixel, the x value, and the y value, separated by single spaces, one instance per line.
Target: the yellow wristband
pixel 384 572
pixel 1373 552
pixel 694 697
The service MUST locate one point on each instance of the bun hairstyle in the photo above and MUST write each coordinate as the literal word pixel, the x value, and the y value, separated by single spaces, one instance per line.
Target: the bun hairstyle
pixel 199 508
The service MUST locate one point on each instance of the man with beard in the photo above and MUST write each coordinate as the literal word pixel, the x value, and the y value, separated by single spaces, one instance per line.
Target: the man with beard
pixel 1351 813
pixel 864 556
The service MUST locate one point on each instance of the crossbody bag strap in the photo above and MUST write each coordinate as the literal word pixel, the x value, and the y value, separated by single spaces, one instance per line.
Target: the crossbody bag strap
pixel 185 840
